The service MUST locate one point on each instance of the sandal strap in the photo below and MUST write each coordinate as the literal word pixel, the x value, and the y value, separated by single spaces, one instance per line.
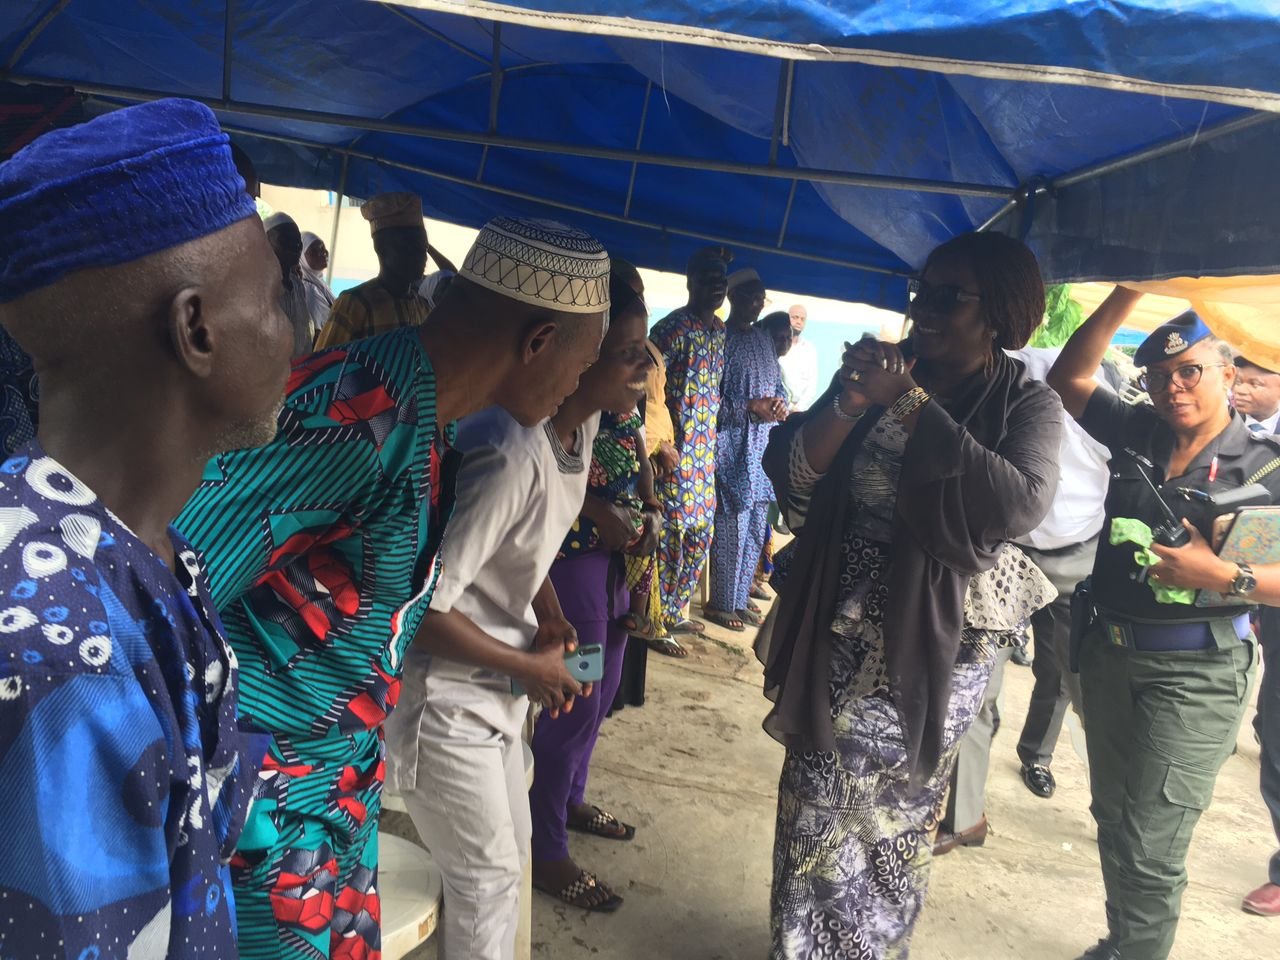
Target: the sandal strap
pixel 583 884
pixel 602 819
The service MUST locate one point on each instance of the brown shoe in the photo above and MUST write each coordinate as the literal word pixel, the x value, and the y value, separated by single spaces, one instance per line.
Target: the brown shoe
pixel 975 836
pixel 1265 901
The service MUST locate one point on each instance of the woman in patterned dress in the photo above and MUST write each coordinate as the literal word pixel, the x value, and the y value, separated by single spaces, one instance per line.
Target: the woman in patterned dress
pixel 904 483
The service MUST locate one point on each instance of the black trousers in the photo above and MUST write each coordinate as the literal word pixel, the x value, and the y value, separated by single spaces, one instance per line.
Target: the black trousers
pixel 1056 687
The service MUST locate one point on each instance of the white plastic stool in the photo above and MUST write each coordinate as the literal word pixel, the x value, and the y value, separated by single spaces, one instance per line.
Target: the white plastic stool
pixel 392 801
pixel 409 887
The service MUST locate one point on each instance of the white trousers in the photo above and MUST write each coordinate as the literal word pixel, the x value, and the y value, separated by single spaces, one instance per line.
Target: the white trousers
pixel 471 807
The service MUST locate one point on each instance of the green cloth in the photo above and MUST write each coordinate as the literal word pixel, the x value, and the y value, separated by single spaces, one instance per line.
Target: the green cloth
pixel 1129 530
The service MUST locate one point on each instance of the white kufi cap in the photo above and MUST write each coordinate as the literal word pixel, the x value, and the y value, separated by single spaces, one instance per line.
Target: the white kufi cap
pixel 540 262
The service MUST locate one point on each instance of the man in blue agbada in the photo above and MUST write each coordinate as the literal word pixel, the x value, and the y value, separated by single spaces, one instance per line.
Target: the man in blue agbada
pixel 134 271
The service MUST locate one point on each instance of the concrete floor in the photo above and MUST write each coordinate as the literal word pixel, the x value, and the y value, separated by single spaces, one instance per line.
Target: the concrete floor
pixel 697 776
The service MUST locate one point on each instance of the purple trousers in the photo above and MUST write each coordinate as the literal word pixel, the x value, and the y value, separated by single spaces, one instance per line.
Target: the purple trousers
pixel 593 594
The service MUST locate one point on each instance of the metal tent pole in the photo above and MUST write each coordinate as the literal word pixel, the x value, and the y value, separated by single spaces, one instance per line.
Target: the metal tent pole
pixel 337 219
pixel 841 177
pixel 1166 148
pixel 571 207
pixel 34 33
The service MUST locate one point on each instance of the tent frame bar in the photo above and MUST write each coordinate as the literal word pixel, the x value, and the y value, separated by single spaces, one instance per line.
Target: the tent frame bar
pixel 644 120
pixel 432 33
pixel 782 111
pixel 337 219
pixel 34 33
pixel 786 214
pixel 1187 141
pixel 348 154
pixel 839 177
pixel 495 95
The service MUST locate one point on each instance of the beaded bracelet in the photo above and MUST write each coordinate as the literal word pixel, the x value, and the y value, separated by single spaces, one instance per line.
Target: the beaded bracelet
pixel 909 403
pixel 841 415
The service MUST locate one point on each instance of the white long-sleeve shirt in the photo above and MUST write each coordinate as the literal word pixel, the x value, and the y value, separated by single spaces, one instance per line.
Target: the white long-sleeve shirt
pixel 800 373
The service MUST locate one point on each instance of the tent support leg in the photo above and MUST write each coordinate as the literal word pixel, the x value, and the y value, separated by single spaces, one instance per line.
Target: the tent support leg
pixel 337 219
pixel 644 119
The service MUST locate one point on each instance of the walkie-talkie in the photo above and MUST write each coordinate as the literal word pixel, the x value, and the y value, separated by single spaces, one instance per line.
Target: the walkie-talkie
pixel 1171 533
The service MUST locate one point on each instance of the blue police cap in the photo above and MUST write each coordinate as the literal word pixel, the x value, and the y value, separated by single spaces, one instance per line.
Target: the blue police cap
pixel 123 186
pixel 1172 338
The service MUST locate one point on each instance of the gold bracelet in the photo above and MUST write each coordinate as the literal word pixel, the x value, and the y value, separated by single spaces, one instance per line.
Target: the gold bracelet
pixel 909 403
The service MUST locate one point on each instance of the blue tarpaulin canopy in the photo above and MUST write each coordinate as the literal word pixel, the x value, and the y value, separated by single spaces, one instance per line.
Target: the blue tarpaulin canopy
pixel 832 145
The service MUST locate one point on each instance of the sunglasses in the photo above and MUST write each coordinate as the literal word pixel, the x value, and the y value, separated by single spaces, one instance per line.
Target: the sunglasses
pixel 943 298
pixel 1185 376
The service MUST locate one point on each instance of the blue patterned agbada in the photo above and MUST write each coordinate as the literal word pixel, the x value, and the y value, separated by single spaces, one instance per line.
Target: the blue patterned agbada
pixel 122 788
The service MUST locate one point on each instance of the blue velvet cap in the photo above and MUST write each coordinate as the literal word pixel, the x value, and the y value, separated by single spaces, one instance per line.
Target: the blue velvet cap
pixel 124 185
pixel 1172 338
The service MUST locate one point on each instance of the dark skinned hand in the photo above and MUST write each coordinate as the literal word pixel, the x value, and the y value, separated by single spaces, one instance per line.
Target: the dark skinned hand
pixel 874 372
pixel 1194 566
pixel 665 460
pixel 648 541
pixel 545 678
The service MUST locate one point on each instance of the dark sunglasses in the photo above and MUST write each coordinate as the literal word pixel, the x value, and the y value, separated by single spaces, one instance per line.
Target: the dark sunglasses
pixel 943 298
pixel 1185 376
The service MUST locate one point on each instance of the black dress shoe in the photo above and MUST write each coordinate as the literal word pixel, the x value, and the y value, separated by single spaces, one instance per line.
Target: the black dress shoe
pixel 1102 950
pixel 1039 779
pixel 975 836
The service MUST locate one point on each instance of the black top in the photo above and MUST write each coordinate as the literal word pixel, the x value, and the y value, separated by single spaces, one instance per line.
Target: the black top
pixel 1117 425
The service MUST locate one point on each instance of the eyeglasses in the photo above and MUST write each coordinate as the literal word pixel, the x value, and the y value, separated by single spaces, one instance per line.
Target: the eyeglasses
pixel 944 298
pixel 1185 376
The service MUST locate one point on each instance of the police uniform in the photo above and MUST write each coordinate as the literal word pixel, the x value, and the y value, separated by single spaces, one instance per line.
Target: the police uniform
pixel 1164 685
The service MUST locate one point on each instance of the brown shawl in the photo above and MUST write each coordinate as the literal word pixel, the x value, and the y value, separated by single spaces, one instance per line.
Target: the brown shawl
pixel 971 479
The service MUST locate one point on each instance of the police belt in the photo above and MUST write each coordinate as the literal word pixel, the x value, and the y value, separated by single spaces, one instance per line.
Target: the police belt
pixel 1172 635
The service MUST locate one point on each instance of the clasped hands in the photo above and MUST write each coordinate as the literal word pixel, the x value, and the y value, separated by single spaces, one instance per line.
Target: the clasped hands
pixel 873 373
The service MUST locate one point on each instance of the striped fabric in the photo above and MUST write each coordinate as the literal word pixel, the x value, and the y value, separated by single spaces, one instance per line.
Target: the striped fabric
pixel 320 545
pixel 322 552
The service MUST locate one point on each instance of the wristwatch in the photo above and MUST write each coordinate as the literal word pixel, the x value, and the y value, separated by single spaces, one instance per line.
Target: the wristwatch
pixel 1245 582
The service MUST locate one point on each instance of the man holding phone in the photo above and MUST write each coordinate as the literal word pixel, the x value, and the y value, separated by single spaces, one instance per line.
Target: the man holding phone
pixel 494 634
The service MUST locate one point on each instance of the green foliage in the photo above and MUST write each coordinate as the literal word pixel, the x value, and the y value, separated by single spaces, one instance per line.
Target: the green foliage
pixel 1062 316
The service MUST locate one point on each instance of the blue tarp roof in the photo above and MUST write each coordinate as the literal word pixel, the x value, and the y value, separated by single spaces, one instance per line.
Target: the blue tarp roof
pixel 833 144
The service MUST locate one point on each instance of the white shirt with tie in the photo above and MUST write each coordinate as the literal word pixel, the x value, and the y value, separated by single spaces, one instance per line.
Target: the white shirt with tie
pixel 1263 426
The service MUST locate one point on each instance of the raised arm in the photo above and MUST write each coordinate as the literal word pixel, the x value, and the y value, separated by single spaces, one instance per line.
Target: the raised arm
pixel 1072 374
pixel 441 261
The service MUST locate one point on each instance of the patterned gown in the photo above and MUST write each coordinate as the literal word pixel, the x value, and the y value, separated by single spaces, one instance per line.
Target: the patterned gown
pixel 853 842
pixel 123 777
pixel 322 549
pixel 743 491
pixel 694 356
